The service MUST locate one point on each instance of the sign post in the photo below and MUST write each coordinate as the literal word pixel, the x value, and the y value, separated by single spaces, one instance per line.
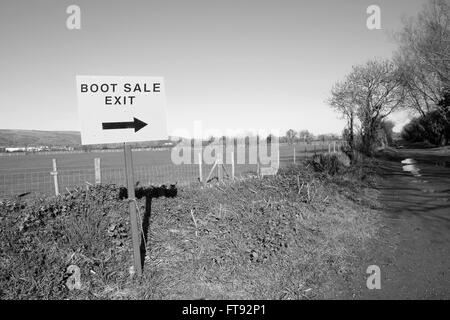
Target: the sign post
pixel 132 205
pixel 116 109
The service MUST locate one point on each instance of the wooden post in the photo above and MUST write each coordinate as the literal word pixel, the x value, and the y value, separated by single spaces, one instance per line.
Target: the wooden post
pixel 210 173
pixel 54 173
pixel 329 148
pixel 258 169
pixel 334 146
pixel 98 175
pixel 278 157
pixel 220 167
pixel 232 165
pixel 294 154
pixel 200 173
pixel 132 207
pixel 306 152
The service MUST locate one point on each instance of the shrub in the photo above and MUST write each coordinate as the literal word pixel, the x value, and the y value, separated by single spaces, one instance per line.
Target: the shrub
pixel 330 163
pixel 431 128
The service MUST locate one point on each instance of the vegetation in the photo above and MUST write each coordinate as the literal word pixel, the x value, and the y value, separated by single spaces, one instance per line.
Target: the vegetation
pixel 330 163
pixel 370 93
pixel 290 136
pixel 416 79
pixel 431 128
pixel 281 237
pixel 306 136
pixel 424 58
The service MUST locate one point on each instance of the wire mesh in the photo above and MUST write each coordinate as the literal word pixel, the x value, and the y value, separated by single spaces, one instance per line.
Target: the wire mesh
pixel 14 182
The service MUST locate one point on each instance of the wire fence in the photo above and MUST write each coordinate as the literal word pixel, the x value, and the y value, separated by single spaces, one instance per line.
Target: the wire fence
pixel 15 182
pixel 40 181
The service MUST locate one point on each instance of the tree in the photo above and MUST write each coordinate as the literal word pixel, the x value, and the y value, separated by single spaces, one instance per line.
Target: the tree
pixel 290 136
pixel 387 131
pixel 430 128
pixel 327 137
pixel 305 135
pixel 424 59
pixel 371 92
pixel 425 40
pixel 321 137
pixel 421 87
pixel 343 101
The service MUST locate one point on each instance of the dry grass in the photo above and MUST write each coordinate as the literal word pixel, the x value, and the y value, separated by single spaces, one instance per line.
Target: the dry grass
pixel 265 238
pixel 280 237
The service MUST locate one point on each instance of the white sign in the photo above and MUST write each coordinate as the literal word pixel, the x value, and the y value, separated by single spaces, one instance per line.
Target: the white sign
pixel 114 109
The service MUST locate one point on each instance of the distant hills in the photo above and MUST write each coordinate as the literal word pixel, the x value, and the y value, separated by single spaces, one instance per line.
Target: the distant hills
pixel 34 138
pixel 23 138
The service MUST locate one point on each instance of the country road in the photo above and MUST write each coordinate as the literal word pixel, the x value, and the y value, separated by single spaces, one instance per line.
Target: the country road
pixel 413 248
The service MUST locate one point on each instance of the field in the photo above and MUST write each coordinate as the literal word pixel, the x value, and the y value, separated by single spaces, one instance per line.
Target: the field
pixel 23 173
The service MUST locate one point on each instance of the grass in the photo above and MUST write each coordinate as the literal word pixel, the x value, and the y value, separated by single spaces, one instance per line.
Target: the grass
pixel 282 237
pixel 257 239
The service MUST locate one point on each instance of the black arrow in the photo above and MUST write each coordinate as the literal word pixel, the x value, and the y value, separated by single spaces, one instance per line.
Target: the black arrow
pixel 136 124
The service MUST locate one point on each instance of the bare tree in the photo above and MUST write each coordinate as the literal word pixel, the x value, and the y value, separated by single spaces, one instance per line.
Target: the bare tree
pixel 421 88
pixel 370 92
pixel 343 101
pixel 290 136
pixel 424 57
pixel 305 135
pixel 378 92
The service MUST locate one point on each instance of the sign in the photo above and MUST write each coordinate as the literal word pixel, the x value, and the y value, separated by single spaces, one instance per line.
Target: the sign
pixel 114 109
pixel 120 110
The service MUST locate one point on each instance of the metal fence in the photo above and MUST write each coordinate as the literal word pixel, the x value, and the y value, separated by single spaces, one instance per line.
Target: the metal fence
pixel 14 182
pixel 38 180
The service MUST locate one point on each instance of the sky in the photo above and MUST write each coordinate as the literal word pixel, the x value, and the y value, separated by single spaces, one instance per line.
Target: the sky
pixel 229 64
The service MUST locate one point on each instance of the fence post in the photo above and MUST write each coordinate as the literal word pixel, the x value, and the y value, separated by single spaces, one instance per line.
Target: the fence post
pixel 278 157
pixel 220 168
pixel 329 148
pixel 258 169
pixel 200 173
pixel 306 152
pixel 334 146
pixel 54 173
pixel 98 175
pixel 232 165
pixel 294 154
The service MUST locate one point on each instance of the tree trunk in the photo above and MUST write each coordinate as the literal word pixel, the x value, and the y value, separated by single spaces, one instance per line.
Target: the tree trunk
pixel 351 139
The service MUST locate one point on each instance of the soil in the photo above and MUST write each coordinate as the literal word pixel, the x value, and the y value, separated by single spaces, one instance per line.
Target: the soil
pixel 413 247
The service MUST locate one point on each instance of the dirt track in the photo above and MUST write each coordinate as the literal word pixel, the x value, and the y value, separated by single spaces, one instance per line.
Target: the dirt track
pixel 413 248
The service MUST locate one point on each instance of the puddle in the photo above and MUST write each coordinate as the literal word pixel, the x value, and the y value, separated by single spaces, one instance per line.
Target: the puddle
pixel 409 165
pixel 409 161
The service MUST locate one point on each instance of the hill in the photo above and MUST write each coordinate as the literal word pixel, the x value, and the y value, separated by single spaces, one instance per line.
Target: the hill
pixel 22 138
